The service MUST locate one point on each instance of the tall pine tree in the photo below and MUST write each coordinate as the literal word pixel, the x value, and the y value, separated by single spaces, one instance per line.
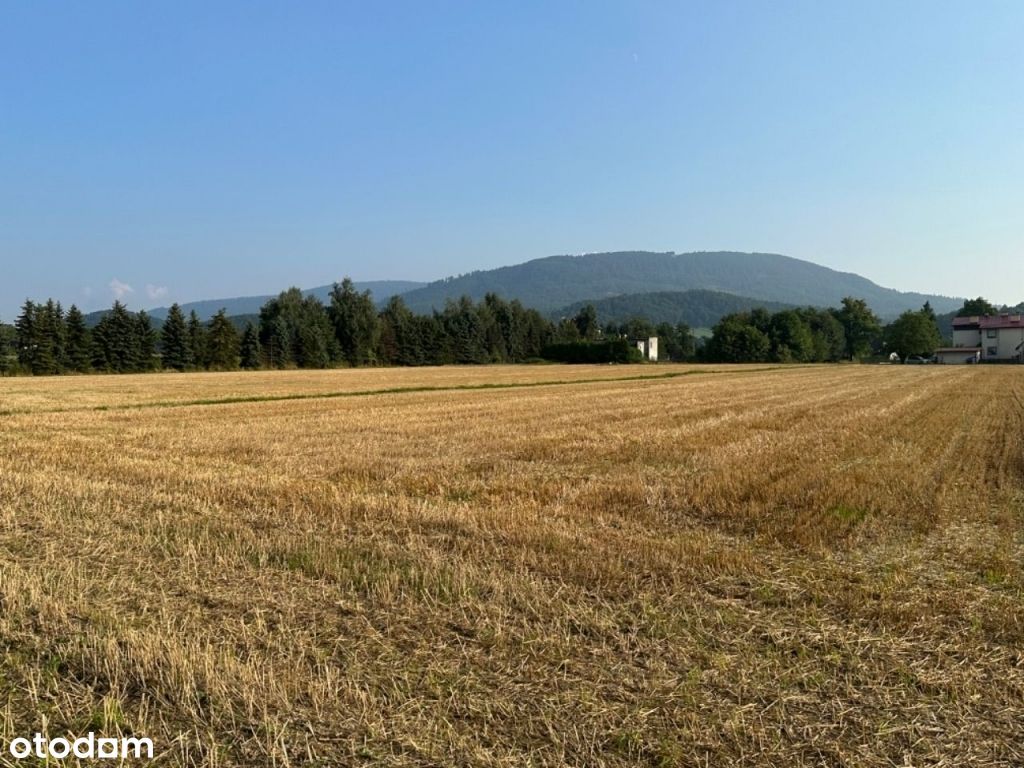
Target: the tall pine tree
pixel 174 340
pixel 250 351
pixel 196 341
pixel 145 345
pixel 355 322
pixel 116 341
pixel 7 357
pixel 222 343
pixel 77 348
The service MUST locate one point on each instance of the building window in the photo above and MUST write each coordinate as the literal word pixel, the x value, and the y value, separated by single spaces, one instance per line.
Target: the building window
pixel 992 333
pixel 993 351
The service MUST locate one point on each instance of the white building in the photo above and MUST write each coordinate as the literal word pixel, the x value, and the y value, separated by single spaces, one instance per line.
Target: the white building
pixel 648 348
pixel 989 339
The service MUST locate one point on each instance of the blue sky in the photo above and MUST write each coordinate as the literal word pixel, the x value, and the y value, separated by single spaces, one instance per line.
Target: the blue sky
pixel 193 150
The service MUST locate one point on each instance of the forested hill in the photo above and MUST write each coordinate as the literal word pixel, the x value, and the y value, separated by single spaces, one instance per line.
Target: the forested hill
pixel 698 309
pixel 551 283
pixel 382 290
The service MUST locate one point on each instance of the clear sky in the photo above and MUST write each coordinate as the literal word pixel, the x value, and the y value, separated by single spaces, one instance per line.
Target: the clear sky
pixel 184 150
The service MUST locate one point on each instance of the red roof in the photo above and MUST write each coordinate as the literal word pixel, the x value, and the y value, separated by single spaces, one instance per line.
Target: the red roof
pixel 989 321
pixel 1003 321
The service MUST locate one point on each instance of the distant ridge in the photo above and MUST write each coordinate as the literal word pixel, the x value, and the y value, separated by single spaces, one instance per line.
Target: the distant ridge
pixel 698 309
pixel 551 283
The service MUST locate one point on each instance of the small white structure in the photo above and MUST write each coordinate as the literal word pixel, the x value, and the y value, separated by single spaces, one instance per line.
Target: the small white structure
pixel 648 348
pixel 998 338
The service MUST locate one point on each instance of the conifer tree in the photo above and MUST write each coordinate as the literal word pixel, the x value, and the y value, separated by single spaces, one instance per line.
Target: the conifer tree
pixel 52 337
pixel 196 341
pixel 145 343
pixel 77 348
pixel 222 343
pixel 7 357
pixel 174 340
pixel 25 334
pixel 278 343
pixel 32 340
pixel 251 353
pixel 355 322
pixel 116 341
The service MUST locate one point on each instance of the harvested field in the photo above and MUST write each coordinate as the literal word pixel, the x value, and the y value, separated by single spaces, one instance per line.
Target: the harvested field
pixel 798 566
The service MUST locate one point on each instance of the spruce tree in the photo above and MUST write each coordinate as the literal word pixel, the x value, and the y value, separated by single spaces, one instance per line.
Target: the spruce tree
pixel 355 322
pixel 252 354
pixel 77 347
pixel 196 341
pixel 116 341
pixel 222 343
pixel 25 335
pixel 174 340
pixel 7 356
pixel 52 338
pixel 145 343
pixel 36 330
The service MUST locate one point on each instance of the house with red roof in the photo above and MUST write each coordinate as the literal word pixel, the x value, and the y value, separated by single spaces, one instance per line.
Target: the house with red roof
pixel 985 339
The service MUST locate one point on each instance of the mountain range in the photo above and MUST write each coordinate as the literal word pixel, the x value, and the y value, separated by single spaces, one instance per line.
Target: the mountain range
pixel 673 286
pixel 556 281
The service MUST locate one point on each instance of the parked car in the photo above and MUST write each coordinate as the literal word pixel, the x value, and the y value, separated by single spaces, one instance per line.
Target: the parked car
pixel 916 360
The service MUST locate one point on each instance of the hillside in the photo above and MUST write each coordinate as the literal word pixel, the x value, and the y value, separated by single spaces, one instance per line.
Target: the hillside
pixel 698 309
pixel 382 290
pixel 552 283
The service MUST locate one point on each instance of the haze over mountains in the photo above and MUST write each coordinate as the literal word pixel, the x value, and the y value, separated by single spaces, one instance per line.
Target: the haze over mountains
pixel 558 283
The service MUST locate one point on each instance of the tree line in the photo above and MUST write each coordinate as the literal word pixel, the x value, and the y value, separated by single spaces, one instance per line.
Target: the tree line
pixel 850 332
pixel 291 331
pixel 298 331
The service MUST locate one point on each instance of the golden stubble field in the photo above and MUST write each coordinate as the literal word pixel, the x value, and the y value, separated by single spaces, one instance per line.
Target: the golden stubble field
pixel 815 566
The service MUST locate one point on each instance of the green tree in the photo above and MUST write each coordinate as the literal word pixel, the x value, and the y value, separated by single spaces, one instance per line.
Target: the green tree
pixel 637 328
pixel 197 356
pixel 54 337
pixel 675 342
pixel 828 338
pixel 35 342
pixel 913 333
pixel 222 348
pixel 861 327
pixel 145 344
pixel 8 359
pixel 296 330
pixel 250 350
pixel 354 318
pixel 78 348
pixel 174 340
pixel 978 306
pixel 463 333
pixel 566 332
pixel 791 338
pixel 586 323
pixel 401 341
pixel 116 341
pixel 736 340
